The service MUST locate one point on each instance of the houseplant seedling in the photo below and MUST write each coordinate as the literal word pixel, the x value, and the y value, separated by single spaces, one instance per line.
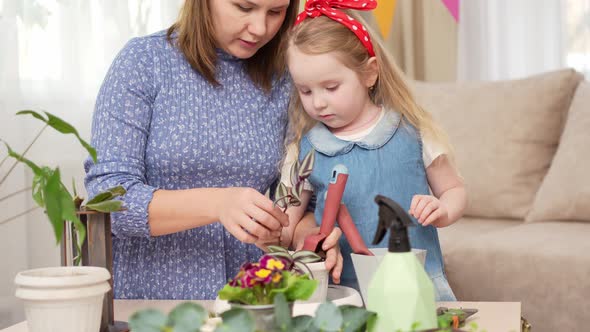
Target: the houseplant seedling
pixel 72 290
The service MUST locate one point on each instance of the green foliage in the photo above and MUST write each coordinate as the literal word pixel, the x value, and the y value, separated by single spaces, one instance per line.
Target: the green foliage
pixel 62 127
pixel 328 317
pixel 48 191
pixel 293 286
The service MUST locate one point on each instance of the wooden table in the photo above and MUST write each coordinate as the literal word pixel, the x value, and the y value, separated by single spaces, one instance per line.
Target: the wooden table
pixel 492 316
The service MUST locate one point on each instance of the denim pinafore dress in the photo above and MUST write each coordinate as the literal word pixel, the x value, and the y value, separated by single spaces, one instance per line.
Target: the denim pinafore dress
pixel 387 162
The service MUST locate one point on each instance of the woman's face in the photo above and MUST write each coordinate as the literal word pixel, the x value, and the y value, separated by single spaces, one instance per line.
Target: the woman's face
pixel 242 27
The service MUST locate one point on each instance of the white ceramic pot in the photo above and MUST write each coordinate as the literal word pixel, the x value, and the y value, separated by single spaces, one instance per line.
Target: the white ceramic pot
pixel 319 273
pixel 64 299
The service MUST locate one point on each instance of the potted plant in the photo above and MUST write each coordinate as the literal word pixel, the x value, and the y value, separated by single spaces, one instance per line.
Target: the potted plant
pixel 290 196
pixel 307 262
pixel 257 284
pixel 67 298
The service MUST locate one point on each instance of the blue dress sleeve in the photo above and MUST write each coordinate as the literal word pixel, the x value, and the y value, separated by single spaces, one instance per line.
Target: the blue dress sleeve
pixel 120 130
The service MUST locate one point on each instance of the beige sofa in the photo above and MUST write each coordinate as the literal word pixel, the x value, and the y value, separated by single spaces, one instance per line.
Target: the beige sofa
pixel 523 148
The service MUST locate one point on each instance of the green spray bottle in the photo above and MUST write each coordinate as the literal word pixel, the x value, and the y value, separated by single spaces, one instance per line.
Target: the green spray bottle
pixel 400 292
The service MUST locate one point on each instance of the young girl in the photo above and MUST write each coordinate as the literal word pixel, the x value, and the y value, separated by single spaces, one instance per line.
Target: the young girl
pixel 353 107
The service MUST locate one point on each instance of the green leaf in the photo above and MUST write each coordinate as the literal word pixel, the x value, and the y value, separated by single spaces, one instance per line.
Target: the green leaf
pixel 236 319
pixel 108 206
pixel 68 209
pixel 328 317
pixel 63 127
pixel 53 206
pixel 307 165
pixel 354 318
pixel 100 197
pixel 148 320
pixel 187 317
pixel 273 248
pixel 282 313
pixel 118 191
pixel 294 173
pixel 237 294
pixel 302 323
pixel 302 289
pixel 108 194
pixel 104 201
pixel 60 207
pixel 33 113
pixel 38 185
pixel 36 169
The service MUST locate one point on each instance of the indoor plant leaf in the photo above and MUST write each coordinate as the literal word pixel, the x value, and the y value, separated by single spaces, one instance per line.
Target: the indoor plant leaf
pixel 273 248
pixel 187 317
pixel 328 317
pixel 282 194
pixel 302 323
pixel 53 205
pixel 148 320
pixel 294 193
pixel 301 289
pixel 63 127
pixel 298 189
pixel 108 206
pixel 306 256
pixel 306 166
pixel 354 318
pixel 236 319
pixel 282 313
pixel 36 169
pixel 294 174
pixel 107 194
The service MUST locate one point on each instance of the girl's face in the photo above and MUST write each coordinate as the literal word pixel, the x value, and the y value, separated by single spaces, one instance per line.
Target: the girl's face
pixel 331 92
pixel 242 27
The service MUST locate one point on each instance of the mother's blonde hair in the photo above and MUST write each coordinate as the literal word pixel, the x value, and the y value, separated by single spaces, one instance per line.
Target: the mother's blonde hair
pixel 323 35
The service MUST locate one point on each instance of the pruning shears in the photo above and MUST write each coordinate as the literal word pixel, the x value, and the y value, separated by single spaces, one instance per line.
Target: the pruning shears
pixel 335 210
pixel 454 318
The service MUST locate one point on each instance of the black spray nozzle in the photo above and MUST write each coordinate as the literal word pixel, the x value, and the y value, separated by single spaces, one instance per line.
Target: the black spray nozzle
pixel 393 216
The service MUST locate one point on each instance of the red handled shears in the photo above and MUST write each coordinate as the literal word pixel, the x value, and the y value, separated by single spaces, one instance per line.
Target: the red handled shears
pixel 335 210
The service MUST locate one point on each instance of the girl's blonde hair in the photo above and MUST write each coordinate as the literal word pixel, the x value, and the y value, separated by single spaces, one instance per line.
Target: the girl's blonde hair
pixel 194 36
pixel 323 35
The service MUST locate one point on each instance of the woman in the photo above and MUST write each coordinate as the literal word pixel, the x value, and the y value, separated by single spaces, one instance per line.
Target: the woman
pixel 191 121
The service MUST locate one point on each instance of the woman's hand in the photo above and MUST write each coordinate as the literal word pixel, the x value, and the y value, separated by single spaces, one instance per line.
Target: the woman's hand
pixel 428 210
pixel 249 215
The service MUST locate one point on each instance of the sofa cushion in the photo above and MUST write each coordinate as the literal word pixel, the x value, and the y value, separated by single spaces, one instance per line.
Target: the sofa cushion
pixel 467 228
pixel 544 265
pixel 565 191
pixel 504 133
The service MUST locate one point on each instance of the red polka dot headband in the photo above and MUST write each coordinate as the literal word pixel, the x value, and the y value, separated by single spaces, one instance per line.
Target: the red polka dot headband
pixel 329 8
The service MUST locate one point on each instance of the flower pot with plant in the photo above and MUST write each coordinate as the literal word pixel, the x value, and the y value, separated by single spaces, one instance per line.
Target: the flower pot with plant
pixel 67 298
pixel 256 285
pixel 290 196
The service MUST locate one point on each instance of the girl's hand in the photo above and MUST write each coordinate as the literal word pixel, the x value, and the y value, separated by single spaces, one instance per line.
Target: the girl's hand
pixel 249 215
pixel 428 210
pixel 333 255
